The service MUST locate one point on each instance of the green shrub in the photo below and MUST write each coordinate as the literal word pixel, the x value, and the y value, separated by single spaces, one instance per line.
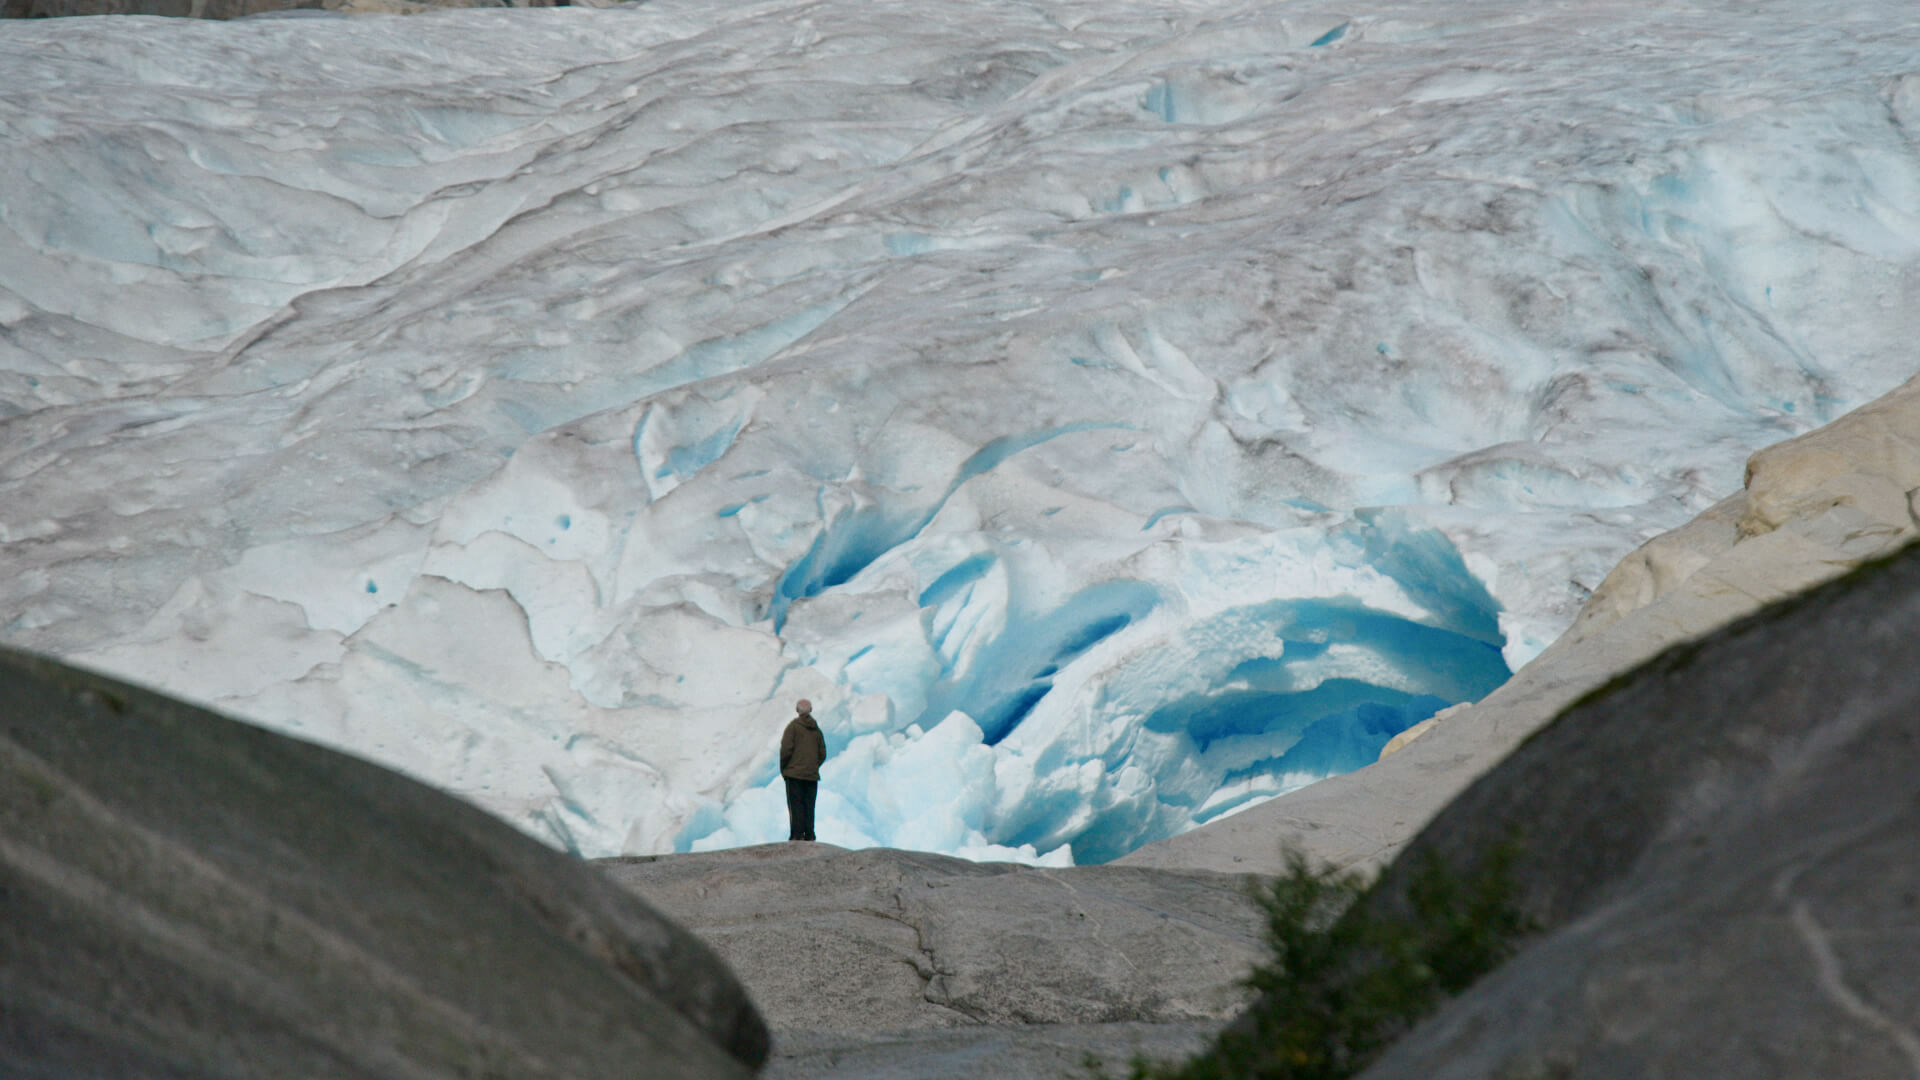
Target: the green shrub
pixel 1346 978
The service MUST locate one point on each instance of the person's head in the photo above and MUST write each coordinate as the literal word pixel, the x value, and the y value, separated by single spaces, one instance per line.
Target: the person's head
pixel 803 707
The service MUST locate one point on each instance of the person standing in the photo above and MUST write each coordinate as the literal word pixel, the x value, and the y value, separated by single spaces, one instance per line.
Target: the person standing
pixel 802 750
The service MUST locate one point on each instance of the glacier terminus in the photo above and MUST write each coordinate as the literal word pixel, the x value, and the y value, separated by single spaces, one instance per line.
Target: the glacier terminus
pixel 1110 413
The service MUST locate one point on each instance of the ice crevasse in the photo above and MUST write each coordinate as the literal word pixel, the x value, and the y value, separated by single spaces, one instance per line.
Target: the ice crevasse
pixel 1109 414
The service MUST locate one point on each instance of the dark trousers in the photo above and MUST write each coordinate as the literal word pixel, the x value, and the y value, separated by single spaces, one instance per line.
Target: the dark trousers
pixel 800 796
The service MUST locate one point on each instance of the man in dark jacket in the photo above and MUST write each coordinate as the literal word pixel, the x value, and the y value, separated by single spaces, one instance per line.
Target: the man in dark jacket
pixel 802 749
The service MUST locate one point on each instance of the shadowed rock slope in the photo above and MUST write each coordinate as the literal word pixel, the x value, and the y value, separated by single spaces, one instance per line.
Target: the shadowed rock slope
pixel 182 895
pixel 1724 849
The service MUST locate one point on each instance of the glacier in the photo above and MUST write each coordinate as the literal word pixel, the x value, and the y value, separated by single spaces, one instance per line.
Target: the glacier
pixel 1110 413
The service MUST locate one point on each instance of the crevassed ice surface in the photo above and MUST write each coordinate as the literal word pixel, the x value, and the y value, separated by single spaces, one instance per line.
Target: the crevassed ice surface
pixel 1109 412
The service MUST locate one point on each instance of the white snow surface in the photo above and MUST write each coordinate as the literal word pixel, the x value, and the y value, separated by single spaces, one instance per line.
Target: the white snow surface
pixel 1108 412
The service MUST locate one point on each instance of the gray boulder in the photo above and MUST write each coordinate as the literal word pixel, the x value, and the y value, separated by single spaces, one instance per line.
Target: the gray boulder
pixel 182 895
pixel 1724 849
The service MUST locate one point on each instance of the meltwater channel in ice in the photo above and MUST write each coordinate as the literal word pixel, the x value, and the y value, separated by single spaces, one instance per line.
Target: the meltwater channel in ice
pixel 1108 412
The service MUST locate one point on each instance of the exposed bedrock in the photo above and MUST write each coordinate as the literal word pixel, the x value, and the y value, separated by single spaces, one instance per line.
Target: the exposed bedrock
pixel 876 939
pixel 1720 848
pixel 182 895
pixel 1812 508
pixel 906 964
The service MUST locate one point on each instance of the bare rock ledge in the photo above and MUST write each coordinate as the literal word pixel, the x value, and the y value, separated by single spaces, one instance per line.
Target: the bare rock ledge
pixel 909 966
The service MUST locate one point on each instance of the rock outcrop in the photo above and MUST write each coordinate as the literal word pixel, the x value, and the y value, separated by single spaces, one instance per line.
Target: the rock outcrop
pixel 1813 507
pixel 835 940
pixel 1721 848
pixel 917 965
pixel 182 895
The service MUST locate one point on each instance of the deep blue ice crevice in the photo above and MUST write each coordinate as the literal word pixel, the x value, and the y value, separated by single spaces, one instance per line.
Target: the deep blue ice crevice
pixel 1347 679
pixel 998 450
pixel 962 574
pixel 731 353
pixel 880 521
pixel 683 461
pixel 1329 37
pixel 851 541
pixel 1001 681
pixel 1164 512
pixel 1262 698
pixel 683 433
pixel 1338 741
pixel 1428 568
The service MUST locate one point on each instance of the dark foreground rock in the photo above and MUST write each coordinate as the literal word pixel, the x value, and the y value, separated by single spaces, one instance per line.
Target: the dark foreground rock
pixel 1723 847
pixel 182 895
pixel 909 966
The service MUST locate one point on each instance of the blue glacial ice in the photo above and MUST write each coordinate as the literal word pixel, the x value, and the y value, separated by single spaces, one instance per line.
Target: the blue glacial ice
pixel 1110 413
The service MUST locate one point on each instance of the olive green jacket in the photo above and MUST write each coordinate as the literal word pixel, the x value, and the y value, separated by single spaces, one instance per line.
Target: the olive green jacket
pixel 802 749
